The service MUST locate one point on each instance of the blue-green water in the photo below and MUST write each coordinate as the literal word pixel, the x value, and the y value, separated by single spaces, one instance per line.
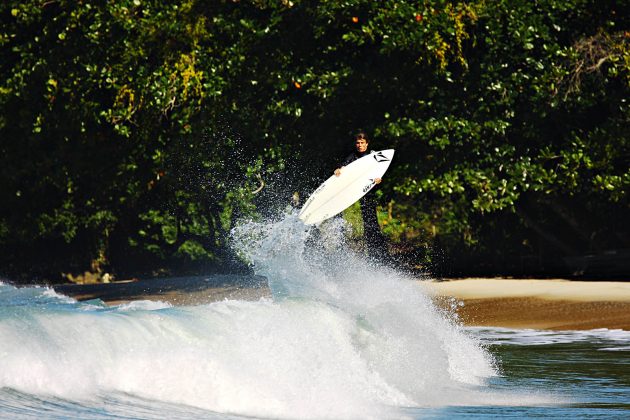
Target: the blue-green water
pixel 586 372
pixel 341 338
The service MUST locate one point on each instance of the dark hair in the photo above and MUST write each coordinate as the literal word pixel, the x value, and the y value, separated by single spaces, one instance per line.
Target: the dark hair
pixel 360 135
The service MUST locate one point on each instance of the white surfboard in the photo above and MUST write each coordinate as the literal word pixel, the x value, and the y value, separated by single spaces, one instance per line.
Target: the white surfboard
pixel 338 193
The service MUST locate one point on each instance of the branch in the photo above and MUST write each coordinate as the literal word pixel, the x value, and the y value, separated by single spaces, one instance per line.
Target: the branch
pixel 592 53
pixel 262 185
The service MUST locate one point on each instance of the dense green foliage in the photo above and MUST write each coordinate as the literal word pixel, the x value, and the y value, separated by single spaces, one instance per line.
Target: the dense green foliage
pixel 134 133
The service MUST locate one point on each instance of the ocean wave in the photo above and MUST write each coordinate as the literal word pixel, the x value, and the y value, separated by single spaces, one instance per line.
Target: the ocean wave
pixel 342 337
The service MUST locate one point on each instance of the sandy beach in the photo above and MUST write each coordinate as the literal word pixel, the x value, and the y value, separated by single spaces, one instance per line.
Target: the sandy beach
pixel 541 304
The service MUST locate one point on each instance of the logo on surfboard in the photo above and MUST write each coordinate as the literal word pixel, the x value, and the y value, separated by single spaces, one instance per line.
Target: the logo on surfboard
pixel 370 185
pixel 380 157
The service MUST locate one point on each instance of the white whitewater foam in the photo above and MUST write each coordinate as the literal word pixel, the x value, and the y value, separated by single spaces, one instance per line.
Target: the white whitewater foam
pixel 606 339
pixel 533 337
pixel 144 305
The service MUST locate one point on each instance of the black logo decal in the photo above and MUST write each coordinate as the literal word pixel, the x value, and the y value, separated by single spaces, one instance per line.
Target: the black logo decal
pixel 380 157
pixel 367 187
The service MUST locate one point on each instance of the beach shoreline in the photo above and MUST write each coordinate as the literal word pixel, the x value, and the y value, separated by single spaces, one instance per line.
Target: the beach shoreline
pixel 550 304
pixel 178 291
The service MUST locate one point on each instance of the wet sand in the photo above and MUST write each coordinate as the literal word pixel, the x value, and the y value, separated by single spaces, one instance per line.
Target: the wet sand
pixel 175 290
pixel 540 304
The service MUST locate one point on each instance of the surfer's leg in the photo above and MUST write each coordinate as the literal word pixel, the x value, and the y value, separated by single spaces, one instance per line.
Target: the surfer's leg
pixel 374 240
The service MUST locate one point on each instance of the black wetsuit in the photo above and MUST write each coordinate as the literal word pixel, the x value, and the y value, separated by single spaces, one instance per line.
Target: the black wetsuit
pixel 371 231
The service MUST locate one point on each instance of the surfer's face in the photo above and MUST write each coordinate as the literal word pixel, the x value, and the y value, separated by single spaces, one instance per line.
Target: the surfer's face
pixel 361 145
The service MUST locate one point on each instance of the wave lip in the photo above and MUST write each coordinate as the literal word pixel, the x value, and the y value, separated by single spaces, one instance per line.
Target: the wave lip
pixel 340 337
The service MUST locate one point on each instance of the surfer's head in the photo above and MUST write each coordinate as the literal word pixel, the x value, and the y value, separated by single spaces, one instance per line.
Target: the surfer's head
pixel 361 141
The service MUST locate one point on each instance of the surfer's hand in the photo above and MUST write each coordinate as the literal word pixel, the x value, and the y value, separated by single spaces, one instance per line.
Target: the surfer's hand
pixel 377 181
pixel 337 172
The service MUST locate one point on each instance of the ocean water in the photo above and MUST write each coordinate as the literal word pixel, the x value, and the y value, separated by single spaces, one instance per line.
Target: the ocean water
pixel 341 338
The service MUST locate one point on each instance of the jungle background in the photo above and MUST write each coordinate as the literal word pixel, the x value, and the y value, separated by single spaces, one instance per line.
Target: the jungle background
pixel 134 134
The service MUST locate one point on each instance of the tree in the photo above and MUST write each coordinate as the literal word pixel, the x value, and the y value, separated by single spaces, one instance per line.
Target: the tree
pixel 134 133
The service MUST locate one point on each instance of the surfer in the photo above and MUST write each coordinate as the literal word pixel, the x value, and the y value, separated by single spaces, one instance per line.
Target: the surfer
pixel 371 231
